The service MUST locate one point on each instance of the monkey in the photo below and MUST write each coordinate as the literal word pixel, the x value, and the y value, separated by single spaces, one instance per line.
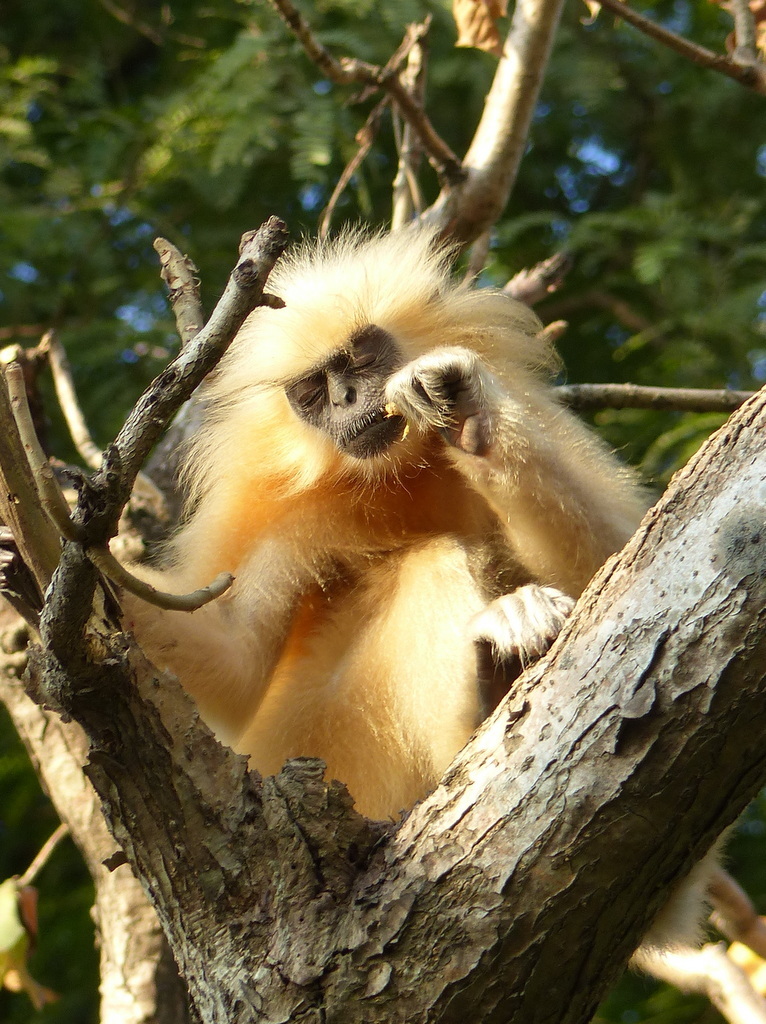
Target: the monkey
pixel 409 514
pixel 407 510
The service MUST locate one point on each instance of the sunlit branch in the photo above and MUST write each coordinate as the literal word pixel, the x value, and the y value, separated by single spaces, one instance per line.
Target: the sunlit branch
pixel 751 75
pixel 67 398
pixel 636 396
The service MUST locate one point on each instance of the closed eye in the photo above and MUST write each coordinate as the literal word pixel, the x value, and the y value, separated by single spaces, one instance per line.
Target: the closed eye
pixel 368 350
pixel 363 360
pixel 307 393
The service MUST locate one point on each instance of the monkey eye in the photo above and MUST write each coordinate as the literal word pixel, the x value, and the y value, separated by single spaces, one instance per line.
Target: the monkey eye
pixel 368 348
pixel 362 360
pixel 308 392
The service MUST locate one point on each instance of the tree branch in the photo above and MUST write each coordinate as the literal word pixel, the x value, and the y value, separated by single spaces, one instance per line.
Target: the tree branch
pixel 621 310
pixel 745 34
pixel 364 139
pixel 636 396
pixel 36 538
pixel 349 70
pixel 107 564
pixel 734 914
pixel 557 821
pixel 48 491
pixel 533 284
pixel 259 251
pixel 67 398
pixel 406 198
pixel 139 982
pixel 710 972
pixel 753 76
pixel 43 855
pixel 465 210
pixel 180 275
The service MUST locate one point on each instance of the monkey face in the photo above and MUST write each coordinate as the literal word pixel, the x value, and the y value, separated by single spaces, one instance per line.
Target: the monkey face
pixel 344 397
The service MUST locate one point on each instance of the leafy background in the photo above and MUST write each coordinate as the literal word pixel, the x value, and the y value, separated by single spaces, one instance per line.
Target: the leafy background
pixel 197 121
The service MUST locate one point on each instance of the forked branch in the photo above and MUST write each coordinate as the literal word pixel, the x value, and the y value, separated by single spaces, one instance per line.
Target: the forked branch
pixel 349 71
pixel 749 73
pixel 465 210
pixel 259 251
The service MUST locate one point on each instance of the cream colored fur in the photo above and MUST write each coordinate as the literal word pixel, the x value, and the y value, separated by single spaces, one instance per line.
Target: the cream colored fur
pixel 348 633
pixel 362 585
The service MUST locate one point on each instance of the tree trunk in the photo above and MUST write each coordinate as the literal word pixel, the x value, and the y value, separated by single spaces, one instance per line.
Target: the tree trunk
pixel 517 890
pixel 139 980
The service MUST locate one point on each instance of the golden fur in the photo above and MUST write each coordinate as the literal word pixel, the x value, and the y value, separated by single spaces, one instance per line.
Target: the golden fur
pixel 350 631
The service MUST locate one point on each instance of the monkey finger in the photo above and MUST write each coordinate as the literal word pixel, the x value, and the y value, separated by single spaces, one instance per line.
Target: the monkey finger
pixel 473 435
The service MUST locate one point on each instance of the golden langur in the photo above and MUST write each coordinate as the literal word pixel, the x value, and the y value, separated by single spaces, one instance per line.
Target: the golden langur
pixel 410 515
pixel 408 511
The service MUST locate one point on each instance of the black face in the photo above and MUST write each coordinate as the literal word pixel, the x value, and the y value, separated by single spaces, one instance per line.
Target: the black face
pixel 345 396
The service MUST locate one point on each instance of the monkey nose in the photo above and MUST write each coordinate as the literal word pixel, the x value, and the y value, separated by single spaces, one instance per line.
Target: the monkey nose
pixel 341 393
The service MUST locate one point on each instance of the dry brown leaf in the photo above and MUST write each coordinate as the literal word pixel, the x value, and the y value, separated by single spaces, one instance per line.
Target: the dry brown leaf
pixel 476 22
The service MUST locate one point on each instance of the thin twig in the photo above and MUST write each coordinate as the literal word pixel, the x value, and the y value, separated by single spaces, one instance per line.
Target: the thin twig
pixel 43 856
pixel 535 283
pixel 180 275
pixel 50 494
pixel 364 138
pixel 440 156
pixel 63 382
pixel 106 563
pixel 67 397
pixel 636 396
pixel 36 538
pixel 753 76
pixel 259 251
pixel 406 193
pixel 734 914
pixel 126 18
pixel 621 310
pixel 153 35
pixel 301 29
pixel 349 70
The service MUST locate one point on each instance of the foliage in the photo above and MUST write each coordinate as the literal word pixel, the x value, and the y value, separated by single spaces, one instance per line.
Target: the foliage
pixel 198 121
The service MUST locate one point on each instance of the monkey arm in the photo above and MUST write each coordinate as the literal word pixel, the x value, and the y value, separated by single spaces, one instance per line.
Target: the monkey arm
pixel 565 502
pixel 225 652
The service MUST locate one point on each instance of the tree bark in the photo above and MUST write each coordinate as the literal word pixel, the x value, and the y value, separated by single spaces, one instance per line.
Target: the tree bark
pixel 464 210
pixel 517 890
pixel 139 979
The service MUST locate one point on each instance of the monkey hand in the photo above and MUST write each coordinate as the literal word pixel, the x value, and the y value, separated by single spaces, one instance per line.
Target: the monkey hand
pixel 513 631
pixel 446 389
